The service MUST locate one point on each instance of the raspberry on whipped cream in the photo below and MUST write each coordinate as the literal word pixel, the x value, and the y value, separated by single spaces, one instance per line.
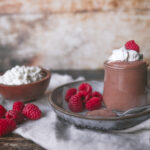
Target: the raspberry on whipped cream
pixel 132 45
pixel 124 54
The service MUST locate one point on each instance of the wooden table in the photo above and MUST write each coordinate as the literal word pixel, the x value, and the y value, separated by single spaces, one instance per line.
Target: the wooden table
pixel 16 142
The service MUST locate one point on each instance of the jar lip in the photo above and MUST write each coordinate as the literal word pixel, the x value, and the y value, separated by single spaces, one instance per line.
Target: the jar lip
pixel 140 64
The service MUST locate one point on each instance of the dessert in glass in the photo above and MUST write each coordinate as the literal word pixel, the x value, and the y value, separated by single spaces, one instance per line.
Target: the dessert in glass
pixel 125 80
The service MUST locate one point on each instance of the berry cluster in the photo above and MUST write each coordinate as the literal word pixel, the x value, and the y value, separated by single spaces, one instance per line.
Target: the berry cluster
pixel 18 114
pixel 83 97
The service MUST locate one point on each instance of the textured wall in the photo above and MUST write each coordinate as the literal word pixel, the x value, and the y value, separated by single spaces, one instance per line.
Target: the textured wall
pixel 77 34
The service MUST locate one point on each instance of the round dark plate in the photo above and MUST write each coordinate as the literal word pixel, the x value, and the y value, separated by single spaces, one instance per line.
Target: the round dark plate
pixel 59 105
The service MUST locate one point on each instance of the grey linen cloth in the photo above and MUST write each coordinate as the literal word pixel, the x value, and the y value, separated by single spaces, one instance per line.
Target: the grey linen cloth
pixel 54 134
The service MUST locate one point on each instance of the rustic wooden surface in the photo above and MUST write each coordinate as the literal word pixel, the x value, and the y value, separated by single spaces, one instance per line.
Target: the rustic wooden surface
pixel 16 142
pixel 73 6
pixel 70 34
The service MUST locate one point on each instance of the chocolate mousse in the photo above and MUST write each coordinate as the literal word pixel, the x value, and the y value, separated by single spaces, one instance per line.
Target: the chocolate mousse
pixel 103 112
pixel 125 79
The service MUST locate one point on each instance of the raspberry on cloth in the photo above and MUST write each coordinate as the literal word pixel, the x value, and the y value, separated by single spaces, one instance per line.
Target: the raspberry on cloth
pixel 6 126
pixel 18 105
pixel 2 111
pixel 15 115
pixel 31 112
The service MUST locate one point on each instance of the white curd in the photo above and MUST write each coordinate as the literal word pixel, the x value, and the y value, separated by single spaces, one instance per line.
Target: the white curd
pixel 21 75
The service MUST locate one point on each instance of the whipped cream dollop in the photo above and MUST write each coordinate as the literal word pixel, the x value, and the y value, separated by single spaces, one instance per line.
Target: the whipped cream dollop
pixel 123 54
pixel 21 75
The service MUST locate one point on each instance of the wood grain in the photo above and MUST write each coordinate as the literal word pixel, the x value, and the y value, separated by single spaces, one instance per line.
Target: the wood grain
pixel 71 6
pixel 16 142
pixel 70 34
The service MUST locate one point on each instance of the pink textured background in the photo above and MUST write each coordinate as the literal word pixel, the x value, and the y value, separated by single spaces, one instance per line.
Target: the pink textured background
pixel 70 34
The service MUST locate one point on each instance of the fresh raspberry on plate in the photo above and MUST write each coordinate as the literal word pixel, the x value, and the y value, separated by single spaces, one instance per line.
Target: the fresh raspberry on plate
pixel 18 106
pixel 6 126
pixel 2 111
pixel 82 94
pixel 97 94
pixel 93 104
pixel 85 87
pixel 70 93
pixel 131 45
pixel 76 104
pixel 31 112
pixel 15 115
pixel 87 98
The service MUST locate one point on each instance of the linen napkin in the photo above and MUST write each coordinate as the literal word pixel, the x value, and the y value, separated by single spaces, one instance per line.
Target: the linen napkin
pixel 54 134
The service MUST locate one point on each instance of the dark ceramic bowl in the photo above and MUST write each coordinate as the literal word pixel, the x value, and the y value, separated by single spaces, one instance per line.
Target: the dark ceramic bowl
pixel 26 92
pixel 59 105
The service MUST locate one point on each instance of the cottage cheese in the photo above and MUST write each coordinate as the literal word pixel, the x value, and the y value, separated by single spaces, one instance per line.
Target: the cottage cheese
pixel 21 75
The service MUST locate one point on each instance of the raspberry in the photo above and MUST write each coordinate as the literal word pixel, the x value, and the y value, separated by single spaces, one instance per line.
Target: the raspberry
pixel 69 93
pixel 85 87
pixel 18 106
pixel 87 98
pixel 6 126
pixel 131 45
pixel 82 94
pixel 2 111
pixel 75 104
pixel 31 112
pixel 15 115
pixel 93 103
pixel 97 94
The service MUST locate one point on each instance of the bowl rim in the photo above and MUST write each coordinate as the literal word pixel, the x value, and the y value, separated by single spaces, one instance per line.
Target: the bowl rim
pixel 47 76
pixel 60 109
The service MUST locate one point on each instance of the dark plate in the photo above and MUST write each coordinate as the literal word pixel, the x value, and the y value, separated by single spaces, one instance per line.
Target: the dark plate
pixel 59 105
